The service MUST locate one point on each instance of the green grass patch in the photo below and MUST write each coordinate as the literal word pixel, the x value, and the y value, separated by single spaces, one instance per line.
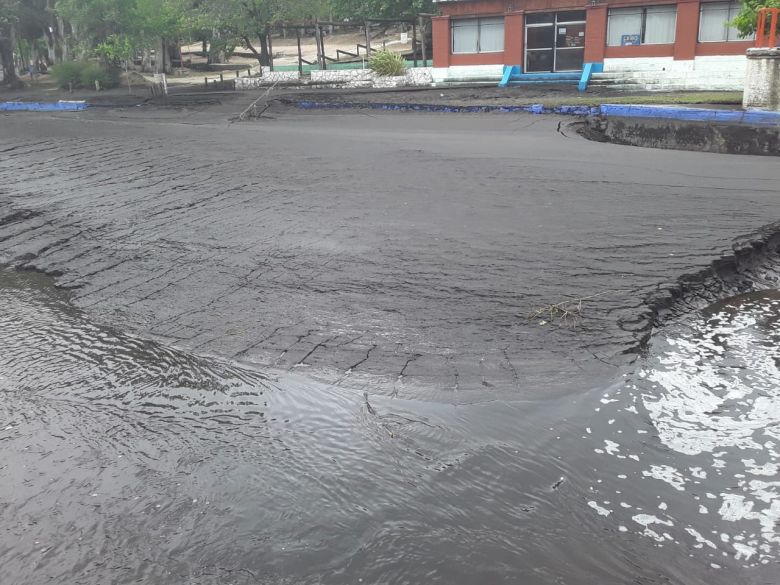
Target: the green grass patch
pixel 730 98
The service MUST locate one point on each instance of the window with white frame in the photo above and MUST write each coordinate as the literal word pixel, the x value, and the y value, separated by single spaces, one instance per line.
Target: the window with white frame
pixel 478 35
pixel 714 22
pixel 650 25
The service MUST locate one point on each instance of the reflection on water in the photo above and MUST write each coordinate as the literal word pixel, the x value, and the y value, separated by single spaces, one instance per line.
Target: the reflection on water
pixel 710 394
pixel 126 460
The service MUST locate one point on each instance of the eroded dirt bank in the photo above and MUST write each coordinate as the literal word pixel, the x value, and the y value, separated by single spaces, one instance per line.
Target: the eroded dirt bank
pixel 404 252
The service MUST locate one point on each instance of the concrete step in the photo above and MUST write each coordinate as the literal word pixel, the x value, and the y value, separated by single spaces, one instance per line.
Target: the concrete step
pixel 544 82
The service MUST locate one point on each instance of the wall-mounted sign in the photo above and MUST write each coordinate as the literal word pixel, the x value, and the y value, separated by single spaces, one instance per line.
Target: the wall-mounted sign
pixel 630 40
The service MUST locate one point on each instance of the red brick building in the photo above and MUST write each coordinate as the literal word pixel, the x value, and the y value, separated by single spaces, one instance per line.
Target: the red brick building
pixel 685 43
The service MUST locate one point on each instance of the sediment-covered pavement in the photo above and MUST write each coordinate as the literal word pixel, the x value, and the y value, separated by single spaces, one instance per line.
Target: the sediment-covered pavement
pixel 395 254
pixel 399 252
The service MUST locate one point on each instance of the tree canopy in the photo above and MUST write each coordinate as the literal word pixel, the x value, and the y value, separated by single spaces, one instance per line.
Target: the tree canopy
pixel 747 19
pixel 56 30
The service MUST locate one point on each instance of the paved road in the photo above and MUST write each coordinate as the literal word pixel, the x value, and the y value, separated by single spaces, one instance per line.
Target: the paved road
pixel 399 251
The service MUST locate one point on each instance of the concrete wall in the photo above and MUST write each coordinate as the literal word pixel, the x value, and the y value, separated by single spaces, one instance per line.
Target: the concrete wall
pixel 685 135
pixel 465 73
pixel 268 78
pixel 762 81
pixel 352 78
pixel 724 72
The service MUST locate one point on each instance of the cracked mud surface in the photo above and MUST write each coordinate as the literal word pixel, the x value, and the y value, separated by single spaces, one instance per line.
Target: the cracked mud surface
pixel 401 253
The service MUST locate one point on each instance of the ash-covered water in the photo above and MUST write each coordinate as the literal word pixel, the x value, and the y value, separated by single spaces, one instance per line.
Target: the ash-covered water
pixel 126 460
pixel 698 428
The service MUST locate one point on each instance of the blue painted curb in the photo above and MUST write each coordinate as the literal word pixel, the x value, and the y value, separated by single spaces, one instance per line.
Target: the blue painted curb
pixel 42 106
pixel 532 109
pixel 750 117
pixel 755 117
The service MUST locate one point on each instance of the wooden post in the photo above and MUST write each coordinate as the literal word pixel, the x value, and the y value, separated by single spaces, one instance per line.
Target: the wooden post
pixel 221 78
pixel 422 41
pixel 368 41
pixel 206 80
pixel 414 42
pixel 270 52
pixel 300 55
pixel 236 72
pixel 317 35
pixel 322 44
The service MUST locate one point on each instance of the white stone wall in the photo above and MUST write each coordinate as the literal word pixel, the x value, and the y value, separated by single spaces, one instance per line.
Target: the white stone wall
pixel 466 73
pixel 725 72
pixel 268 78
pixel 389 81
pixel 762 82
pixel 347 78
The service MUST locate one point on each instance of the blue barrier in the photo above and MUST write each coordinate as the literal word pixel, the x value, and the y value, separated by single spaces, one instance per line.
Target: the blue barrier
pixel 587 71
pixel 509 71
pixel 42 106
pixel 758 117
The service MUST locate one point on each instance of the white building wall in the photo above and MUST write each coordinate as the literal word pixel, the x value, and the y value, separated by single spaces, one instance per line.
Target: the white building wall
pixel 466 73
pixel 723 72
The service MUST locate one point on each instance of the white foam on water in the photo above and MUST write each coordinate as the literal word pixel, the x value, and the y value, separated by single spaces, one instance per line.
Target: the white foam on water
pixel 646 520
pixel 765 469
pixel 668 474
pixel 699 538
pixel 611 447
pixel 743 551
pixel 601 511
pixel 712 394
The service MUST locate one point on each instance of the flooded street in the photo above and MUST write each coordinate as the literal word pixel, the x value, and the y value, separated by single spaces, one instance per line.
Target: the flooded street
pixel 125 459
pixel 293 365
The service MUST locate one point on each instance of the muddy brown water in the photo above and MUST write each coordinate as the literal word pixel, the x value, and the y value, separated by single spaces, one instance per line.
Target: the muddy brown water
pixel 126 460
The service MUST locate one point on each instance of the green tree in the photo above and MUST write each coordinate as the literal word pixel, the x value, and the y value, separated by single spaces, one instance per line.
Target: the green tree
pixel 747 19
pixel 226 22
pixel 9 17
pixel 380 8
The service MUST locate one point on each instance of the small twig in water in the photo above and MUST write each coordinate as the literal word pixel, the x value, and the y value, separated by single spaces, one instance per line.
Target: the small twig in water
pixel 565 311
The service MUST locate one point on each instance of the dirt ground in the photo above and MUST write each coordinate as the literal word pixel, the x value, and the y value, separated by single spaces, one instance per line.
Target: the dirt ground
pixel 398 252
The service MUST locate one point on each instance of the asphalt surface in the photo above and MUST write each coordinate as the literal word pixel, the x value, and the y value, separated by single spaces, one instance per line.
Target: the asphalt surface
pixel 400 253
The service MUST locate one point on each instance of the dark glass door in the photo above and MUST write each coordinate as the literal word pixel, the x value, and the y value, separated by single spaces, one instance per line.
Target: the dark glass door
pixel 569 46
pixel 554 41
pixel 539 42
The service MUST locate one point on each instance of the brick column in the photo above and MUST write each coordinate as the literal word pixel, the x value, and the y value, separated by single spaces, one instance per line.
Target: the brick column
pixel 513 38
pixel 687 31
pixel 595 33
pixel 442 43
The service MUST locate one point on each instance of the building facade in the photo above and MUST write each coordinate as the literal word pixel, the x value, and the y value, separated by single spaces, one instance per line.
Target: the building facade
pixel 672 44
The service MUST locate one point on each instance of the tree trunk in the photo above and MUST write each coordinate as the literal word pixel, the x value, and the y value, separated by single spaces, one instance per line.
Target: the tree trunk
pixel 51 53
pixel 258 56
pixel 7 43
pixel 50 35
pixel 163 61
pixel 264 54
pixel 146 61
pixel 216 49
pixel 64 51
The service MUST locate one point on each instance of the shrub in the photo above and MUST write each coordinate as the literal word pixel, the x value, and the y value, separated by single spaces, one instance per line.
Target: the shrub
pixel 66 73
pixel 92 72
pixel 387 63
pixel 83 74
